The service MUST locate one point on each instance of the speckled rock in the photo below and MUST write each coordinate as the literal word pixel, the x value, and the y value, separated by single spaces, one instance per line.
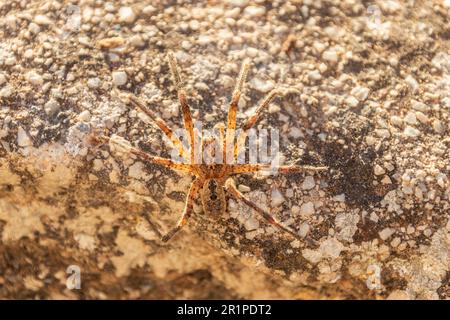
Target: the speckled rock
pixel 365 93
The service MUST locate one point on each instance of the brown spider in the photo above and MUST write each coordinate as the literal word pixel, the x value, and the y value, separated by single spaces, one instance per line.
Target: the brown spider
pixel 211 179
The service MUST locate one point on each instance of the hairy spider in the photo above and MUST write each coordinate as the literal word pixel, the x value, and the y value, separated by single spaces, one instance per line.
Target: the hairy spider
pixel 212 179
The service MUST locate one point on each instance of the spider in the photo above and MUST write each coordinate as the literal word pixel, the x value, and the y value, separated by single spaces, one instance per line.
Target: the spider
pixel 211 180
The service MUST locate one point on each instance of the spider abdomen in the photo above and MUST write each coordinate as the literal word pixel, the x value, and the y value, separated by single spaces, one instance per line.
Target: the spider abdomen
pixel 213 197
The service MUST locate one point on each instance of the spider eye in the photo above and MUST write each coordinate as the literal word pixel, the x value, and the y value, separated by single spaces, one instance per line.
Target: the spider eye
pixel 213 196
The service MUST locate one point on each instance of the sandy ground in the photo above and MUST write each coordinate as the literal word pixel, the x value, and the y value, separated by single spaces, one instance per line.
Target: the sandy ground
pixel 369 98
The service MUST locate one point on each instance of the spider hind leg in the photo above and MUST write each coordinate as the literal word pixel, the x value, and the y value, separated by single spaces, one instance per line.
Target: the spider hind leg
pixel 187 212
pixel 231 188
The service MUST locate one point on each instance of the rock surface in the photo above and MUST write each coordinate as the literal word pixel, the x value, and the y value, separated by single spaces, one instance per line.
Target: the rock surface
pixel 369 99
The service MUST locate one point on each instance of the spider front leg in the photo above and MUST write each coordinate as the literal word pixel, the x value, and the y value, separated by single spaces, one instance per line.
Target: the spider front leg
pixel 264 167
pixel 135 102
pixel 188 208
pixel 250 122
pixel 232 111
pixel 187 117
pixel 121 146
pixel 231 188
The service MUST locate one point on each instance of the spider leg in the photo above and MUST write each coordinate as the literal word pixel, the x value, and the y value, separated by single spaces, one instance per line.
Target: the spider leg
pixel 188 208
pixel 135 102
pixel 248 168
pixel 122 146
pixel 250 122
pixel 232 111
pixel 231 188
pixel 187 117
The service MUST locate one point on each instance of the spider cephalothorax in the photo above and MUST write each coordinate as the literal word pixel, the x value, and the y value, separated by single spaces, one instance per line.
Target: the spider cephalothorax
pixel 212 176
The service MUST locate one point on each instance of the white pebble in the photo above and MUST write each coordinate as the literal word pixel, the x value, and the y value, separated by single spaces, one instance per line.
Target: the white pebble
pixel 419 106
pixel 22 138
pixel 243 188
pixel 422 117
pixel 411 118
pixel 84 116
pixel 307 209
pixel 204 40
pixel 11 22
pixel 252 52
pixel 411 132
pixel 10 61
pixel 383 133
pixel 295 210
pixel 360 93
pixel 34 28
pixel 441 60
pixel 314 75
pixel 295 132
pixel 438 126
pixel 308 183
pixel 51 107
pixel 397 121
pixel 262 85
pixel 395 242
pixel 378 170
pixel 386 180
pixel 149 10
pixel 339 197
pixel 352 101
pixel 238 3
pixel 330 55
pixel 97 165
pixel 119 78
pixel 94 83
pixel 319 46
pixel 295 244
pixel 373 216
pixel 201 86
pixel 251 224
pixel 34 78
pixel 28 54
pixel 277 198
pixel 412 83
pixel 6 91
pixel 303 230
pixel 274 108
pixel 371 140
pixel 42 20
pixel 137 41
pixel 186 45
pixel 386 233
pixel 255 11
pixel 126 14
